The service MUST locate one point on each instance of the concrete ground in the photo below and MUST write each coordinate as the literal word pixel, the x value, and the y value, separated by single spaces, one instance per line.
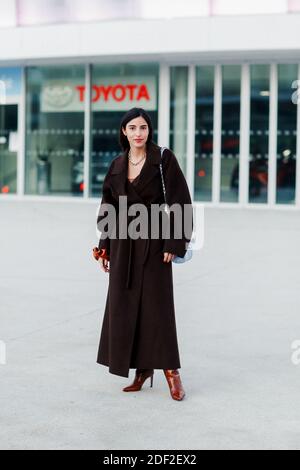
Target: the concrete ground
pixel 237 310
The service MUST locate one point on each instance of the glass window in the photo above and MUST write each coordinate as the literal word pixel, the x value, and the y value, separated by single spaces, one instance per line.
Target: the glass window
pixel 204 132
pixel 115 90
pixel 231 103
pixel 287 134
pixel 259 134
pixel 55 130
pixel 10 91
pixel 8 148
pixel 178 114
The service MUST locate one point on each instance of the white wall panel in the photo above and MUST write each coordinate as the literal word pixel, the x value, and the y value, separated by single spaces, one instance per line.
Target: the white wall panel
pixel 211 39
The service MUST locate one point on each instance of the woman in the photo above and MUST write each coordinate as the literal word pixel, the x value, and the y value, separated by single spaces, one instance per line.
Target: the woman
pixel 139 329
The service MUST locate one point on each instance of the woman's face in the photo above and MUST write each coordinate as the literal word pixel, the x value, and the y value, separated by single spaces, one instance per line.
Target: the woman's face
pixel 137 132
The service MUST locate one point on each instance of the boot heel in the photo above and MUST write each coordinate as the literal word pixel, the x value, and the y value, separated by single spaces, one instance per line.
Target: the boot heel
pixel 139 380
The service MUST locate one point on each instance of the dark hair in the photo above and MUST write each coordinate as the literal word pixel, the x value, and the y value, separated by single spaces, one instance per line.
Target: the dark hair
pixel 132 114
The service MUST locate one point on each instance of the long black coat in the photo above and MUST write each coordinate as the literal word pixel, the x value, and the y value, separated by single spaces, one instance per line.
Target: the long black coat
pixel 139 328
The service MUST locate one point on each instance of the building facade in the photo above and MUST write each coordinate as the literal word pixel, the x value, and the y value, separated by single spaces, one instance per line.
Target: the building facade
pixel 222 92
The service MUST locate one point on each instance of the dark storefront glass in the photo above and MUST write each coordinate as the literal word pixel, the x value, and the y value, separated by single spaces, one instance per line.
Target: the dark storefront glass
pixel 55 131
pixel 10 93
pixel 8 150
pixel 204 132
pixel 259 134
pixel 115 90
pixel 287 135
pixel 178 114
pixel 230 153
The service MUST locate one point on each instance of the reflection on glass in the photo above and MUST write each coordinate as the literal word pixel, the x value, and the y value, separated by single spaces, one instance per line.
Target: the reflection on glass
pixel 204 133
pixel 231 103
pixel 115 90
pixel 178 114
pixel 259 134
pixel 8 148
pixel 55 130
pixel 286 133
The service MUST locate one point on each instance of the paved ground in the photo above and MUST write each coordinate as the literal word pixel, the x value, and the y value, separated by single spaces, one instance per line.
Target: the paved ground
pixel 237 307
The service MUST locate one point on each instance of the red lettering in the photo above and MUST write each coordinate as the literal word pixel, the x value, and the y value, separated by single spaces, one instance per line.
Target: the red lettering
pixel 131 91
pixel 81 90
pixel 123 92
pixel 143 93
pixel 96 96
pixel 117 92
pixel 106 91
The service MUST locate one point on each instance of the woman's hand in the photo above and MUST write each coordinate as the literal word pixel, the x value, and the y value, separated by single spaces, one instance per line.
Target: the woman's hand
pixel 168 257
pixel 104 264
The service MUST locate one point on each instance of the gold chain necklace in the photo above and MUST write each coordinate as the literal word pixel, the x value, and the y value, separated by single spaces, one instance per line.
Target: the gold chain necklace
pixel 135 163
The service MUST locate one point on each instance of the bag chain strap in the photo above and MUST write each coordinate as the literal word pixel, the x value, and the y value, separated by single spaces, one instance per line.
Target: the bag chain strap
pixel 167 210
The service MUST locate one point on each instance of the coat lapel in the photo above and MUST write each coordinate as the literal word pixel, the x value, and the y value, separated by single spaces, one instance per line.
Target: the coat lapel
pixel 150 170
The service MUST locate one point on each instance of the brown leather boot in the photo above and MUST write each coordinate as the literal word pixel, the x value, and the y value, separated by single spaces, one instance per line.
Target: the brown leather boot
pixel 140 376
pixel 175 385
